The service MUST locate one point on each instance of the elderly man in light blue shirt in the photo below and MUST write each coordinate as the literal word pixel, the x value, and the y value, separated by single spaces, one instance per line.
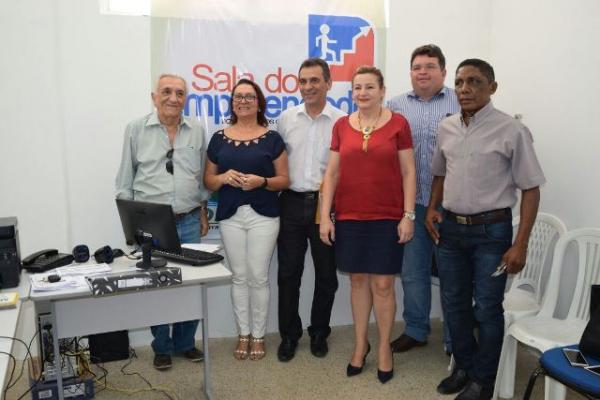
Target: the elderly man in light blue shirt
pixel 424 107
pixel 162 162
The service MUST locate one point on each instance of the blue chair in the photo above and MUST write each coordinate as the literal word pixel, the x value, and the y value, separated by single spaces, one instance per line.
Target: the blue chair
pixel 554 364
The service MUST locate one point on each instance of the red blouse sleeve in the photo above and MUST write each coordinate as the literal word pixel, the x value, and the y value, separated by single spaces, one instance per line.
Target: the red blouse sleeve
pixel 403 134
pixel 335 135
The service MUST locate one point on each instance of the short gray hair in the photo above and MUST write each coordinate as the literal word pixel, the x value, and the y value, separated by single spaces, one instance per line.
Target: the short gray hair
pixel 170 76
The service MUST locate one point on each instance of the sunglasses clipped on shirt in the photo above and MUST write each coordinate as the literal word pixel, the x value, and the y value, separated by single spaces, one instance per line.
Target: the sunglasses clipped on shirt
pixel 169 164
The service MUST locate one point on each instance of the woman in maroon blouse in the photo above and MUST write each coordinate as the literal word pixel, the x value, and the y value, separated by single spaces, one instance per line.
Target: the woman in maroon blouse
pixel 371 180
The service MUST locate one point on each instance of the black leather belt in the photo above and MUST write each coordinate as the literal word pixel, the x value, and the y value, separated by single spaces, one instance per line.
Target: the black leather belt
pixel 486 217
pixel 183 215
pixel 304 195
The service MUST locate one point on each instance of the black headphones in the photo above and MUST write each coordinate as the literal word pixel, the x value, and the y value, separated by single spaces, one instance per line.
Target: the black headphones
pixel 107 255
pixel 104 255
pixel 81 253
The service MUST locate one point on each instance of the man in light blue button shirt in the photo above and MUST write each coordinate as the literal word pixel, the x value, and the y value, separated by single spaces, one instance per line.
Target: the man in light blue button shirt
pixel 163 162
pixel 424 107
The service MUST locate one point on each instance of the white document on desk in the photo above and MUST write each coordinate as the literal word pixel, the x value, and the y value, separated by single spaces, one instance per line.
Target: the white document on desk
pixel 82 270
pixel 41 284
pixel 209 248
pixel 71 277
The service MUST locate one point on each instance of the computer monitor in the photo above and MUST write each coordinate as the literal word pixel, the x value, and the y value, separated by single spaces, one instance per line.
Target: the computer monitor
pixel 155 219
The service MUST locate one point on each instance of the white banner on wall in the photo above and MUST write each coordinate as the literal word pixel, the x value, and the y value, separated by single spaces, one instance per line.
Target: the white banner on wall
pixel 213 54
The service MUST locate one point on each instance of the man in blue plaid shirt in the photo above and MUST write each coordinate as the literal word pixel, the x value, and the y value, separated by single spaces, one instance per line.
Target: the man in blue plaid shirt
pixel 424 107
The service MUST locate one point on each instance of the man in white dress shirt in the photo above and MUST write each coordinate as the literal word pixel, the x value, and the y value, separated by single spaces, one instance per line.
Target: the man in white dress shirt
pixel 306 130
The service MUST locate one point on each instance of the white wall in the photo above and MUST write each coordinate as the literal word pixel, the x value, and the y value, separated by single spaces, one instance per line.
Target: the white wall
pixel 548 67
pixel 460 27
pixel 547 63
pixel 32 173
pixel 71 80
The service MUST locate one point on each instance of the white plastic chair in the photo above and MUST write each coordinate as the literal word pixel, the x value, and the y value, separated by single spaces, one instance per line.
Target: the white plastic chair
pixel 524 297
pixel 543 331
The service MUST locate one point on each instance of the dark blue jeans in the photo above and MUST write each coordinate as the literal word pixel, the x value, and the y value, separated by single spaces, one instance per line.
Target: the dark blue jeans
pixel 468 255
pixel 416 280
pixel 416 283
pixel 183 336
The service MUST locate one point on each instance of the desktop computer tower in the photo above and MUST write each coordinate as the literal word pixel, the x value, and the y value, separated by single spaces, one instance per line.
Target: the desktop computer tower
pixel 10 258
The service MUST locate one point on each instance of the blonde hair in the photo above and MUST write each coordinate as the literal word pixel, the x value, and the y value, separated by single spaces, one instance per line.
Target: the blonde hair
pixel 369 69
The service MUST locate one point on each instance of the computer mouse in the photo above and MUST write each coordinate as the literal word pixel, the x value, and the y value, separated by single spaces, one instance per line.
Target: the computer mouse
pixel 53 278
pixel 118 253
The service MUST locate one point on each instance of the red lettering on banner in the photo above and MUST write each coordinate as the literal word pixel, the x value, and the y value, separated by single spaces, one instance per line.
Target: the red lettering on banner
pixel 270 77
pixel 277 83
pixel 224 84
pixel 197 72
pixel 221 81
pixel 287 79
pixel 247 75
pixel 236 77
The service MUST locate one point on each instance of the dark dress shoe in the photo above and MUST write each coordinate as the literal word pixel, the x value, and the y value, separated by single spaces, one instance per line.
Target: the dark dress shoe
pixel 194 355
pixel 162 361
pixel 351 370
pixel 454 383
pixel 474 391
pixel 405 343
pixel 318 346
pixel 385 376
pixel 287 349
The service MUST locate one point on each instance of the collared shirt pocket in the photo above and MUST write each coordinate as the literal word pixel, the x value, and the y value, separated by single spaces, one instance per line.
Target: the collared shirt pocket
pixel 189 159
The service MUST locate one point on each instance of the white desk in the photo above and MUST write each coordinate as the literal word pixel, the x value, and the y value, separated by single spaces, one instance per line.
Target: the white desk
pixel 78 313
pixel 9 319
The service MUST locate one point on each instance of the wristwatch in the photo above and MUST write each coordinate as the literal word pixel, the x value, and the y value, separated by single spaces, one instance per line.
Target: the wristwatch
pixel 409 215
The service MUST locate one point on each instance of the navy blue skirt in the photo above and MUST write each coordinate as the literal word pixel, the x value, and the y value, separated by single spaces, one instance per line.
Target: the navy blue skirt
pixel 369 247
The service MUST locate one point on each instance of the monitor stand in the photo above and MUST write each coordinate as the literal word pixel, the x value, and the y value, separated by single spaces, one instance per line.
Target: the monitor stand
pixel 147 261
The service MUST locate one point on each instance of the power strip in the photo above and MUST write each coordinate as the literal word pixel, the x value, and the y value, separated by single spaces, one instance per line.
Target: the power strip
pixel 73 390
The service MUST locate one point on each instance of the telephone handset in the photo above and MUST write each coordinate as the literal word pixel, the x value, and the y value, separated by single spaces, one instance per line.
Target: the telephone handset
pixel 46 259
pixel 42 253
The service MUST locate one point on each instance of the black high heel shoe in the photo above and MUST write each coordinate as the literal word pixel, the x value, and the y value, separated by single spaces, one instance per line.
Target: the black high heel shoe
pixel 385 376
pixel 351 370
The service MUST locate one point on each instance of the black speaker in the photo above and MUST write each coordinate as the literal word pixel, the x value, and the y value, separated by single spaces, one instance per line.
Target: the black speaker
pixel 81 253
pixel 595 299
pixel 110 346
pixel 10 258
pixel 104 255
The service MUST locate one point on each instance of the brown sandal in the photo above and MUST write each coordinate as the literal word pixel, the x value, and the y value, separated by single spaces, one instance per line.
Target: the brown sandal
pixel 257 349
pixel 241 351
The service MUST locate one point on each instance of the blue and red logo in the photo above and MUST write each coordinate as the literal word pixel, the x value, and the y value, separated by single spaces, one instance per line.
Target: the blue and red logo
pixel 344 42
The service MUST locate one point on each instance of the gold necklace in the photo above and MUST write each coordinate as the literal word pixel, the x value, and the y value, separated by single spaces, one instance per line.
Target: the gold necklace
pixel 367 131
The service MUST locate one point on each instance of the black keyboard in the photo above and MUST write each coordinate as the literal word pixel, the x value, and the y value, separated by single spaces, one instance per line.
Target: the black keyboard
pixel 189 256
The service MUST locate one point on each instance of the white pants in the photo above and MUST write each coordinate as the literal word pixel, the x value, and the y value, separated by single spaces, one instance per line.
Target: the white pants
pixel 249 240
